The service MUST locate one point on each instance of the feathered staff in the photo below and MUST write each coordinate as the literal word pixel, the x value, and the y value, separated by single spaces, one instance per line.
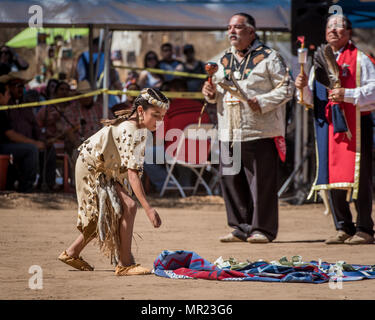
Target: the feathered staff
pixel 302 60
pixel 327 72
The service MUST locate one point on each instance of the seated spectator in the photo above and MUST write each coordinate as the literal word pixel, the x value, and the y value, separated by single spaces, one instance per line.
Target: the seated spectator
pixel 25 151
pixel 148 79
pixel 193 66
pixel 49 68
pixel 168 63
pixel 12 59
pixel 49 90
pixel 55 122
pixel 23 121
pixel 86 113
pixel 128 103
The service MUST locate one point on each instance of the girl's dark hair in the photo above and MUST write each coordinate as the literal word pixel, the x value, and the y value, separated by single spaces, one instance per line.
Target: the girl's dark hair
pixel 148 54
pixel 123 115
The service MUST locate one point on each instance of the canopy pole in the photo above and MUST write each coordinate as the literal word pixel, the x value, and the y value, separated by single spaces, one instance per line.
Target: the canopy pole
pixel 106 71
pixel 91 62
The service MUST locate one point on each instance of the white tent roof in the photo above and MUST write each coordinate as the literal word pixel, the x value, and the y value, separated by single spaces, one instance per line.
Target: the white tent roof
pixel 147 14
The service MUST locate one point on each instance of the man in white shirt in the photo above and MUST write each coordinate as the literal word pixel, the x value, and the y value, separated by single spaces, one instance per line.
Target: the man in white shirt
pixel 356 98
pixel 256 125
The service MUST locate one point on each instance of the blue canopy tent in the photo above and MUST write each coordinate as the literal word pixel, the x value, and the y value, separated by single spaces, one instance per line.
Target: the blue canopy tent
pixel 360 12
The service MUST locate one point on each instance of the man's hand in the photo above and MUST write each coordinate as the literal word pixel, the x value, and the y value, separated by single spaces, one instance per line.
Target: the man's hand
pixel 301 81
pixel 337 95
pixel 254 104
pixel 209 90
pixel 154 217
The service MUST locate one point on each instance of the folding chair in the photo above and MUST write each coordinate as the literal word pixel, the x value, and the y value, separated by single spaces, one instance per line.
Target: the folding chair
pixel 179 158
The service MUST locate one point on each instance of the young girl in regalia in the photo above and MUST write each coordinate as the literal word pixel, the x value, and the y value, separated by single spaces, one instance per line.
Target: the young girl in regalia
pixel 108 171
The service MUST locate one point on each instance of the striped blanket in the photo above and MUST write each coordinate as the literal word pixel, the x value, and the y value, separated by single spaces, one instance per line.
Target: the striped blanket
pixel 189 265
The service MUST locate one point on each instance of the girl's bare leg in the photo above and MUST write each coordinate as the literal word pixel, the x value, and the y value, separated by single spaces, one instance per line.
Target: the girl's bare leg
pixel 77 246
pixel 126 226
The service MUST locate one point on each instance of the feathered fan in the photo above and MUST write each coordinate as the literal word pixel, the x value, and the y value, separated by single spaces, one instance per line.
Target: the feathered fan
pixel 327 72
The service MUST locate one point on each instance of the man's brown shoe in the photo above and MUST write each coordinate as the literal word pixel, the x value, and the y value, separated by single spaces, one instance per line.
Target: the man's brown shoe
pixel 230 238
pixel 360 238
pixel 339 238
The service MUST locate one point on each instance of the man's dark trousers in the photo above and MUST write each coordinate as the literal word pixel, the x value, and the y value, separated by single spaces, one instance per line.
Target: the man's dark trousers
pixel 251 195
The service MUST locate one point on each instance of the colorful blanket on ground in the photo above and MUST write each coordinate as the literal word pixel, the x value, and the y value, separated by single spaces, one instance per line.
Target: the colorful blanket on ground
pixel 189 265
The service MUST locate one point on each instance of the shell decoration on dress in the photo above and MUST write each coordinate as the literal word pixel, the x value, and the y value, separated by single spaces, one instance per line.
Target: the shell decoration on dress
pixel 104 160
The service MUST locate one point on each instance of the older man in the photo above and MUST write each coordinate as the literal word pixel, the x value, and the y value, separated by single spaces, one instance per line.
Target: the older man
pixel 345 162
pixel 255 120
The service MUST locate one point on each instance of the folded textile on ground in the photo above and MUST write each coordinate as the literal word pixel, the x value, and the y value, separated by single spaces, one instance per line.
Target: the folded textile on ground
pixel 183 264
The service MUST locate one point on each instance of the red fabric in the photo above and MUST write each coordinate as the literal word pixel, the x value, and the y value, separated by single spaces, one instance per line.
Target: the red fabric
pixel 181 113
pixel 281 147
pixel 301 39
pixel 341 150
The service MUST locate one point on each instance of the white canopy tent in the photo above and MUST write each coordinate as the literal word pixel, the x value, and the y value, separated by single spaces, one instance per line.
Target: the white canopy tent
pixel 141 15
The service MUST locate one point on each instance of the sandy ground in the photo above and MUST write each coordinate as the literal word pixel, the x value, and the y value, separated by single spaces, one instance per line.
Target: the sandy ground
pixel 35 228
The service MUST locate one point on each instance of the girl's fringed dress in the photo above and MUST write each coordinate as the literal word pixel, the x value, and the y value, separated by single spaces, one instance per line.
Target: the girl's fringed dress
pixel 104 160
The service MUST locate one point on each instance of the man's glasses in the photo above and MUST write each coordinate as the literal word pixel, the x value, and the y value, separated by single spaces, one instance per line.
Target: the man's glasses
pixel 151 58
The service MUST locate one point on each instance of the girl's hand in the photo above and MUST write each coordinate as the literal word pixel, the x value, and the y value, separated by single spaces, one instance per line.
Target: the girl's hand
pixel 154 217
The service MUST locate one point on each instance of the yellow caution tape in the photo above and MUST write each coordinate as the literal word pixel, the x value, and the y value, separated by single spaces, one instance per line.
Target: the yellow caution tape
pixel 159 71
pixel 52 101
pixel 134 93
pixel 171 95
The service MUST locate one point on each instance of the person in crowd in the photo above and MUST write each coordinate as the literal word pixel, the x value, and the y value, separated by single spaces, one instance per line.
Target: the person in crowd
pixel 12 59
pixel 129 100
pixel 346 166
pixel 49 67
pixel 56 123
pixel 50 89
pixel 114 170
pixel 82 68
pixel 168 62
pixel 132 77
pixel 86 114
pixel 251 127
pixel 192 65
pixel 147 78
pixel 25 151
pixel 23 121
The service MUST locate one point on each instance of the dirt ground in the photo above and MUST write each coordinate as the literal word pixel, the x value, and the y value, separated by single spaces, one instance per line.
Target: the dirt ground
pixel 36 228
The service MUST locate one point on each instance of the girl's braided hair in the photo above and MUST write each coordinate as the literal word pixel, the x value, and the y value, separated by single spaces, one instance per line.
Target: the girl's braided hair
pixel 147 98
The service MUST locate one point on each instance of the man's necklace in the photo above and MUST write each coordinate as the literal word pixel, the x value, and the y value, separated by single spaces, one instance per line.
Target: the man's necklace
pixel 237 73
